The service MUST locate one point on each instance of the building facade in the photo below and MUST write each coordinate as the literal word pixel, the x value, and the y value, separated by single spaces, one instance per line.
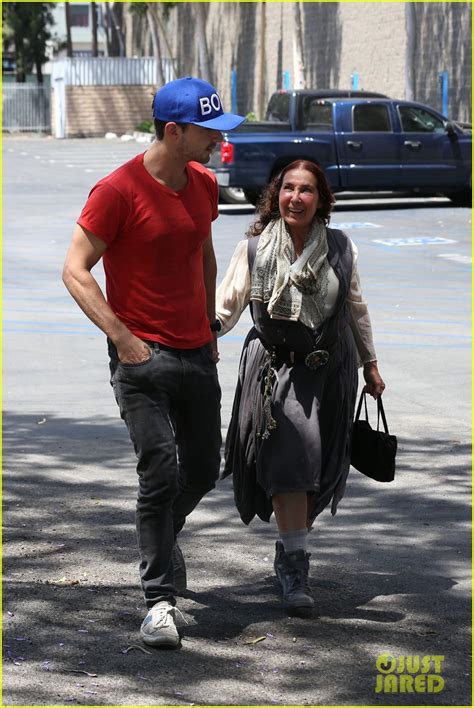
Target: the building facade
pixel 414 50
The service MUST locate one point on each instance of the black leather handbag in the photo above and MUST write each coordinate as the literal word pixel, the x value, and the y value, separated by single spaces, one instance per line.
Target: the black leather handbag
pixel 373 451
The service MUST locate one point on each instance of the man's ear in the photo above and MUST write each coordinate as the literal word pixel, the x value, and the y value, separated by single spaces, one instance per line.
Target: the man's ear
pixel 172 130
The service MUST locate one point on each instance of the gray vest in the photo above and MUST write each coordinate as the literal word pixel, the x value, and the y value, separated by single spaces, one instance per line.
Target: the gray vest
pixel 294 336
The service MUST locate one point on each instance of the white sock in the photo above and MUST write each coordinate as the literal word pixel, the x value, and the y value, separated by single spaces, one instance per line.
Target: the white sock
pixel 294 540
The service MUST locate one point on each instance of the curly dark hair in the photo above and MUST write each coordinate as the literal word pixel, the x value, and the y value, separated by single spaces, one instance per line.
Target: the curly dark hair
pixel 268 209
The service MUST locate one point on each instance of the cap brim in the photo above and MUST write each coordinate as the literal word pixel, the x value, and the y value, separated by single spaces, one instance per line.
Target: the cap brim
pixel 227 121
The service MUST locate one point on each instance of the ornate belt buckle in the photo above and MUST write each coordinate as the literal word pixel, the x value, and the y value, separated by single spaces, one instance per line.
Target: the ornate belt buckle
pixel 315 359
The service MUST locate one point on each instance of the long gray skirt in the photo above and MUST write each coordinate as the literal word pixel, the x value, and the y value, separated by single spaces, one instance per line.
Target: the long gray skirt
pixel 309 449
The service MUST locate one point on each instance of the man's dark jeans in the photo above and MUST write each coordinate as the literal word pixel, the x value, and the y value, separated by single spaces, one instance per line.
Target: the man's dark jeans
pixel 171 405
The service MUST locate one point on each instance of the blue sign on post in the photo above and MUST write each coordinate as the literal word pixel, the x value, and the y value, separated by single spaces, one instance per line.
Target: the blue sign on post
pixel 355 80
pixel 286 80
pixel 444 92
pixel 233 89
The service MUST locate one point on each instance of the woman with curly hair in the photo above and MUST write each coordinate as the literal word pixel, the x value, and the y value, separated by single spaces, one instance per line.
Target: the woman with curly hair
pixel 288 443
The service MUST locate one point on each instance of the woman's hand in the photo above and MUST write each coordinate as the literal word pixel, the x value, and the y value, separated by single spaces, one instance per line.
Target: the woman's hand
pixel 374 384
pixel 214 349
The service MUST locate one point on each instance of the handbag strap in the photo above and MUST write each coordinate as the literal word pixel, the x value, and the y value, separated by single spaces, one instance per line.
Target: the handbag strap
pixel 359 407
pixel 381 414
pixel 380 411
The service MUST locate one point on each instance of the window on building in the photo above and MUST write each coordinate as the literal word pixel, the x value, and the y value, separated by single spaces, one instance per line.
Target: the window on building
pixel 79 15
pixel 368 117
pixel 417 120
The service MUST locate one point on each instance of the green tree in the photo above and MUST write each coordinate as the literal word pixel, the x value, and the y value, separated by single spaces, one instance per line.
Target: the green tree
pixel 25 29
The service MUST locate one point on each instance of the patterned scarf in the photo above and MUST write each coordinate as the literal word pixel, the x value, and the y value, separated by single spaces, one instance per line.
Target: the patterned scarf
pixel 294 288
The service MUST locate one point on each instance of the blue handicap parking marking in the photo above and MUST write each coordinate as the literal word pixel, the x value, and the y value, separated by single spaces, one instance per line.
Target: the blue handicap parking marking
pixel 357 225
pixel 413 241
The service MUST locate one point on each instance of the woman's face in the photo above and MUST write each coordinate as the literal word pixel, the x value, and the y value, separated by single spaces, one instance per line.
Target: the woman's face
pixel 299 199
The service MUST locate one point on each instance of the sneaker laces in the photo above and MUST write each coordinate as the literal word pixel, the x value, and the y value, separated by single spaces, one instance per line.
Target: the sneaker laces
pixel 181 615
pixel 164 616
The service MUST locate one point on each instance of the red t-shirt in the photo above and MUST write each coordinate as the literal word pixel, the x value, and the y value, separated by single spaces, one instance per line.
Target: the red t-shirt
pixel 153 262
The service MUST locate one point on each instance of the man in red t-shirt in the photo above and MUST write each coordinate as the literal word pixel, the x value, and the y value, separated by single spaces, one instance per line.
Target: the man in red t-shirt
pixel 150 222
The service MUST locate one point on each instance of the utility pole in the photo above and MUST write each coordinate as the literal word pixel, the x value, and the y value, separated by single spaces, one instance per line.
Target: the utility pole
pixel 298 49
pixel 262 62
pixel 95 48
pixel 410 92
pixel 67 12
pixel 203 53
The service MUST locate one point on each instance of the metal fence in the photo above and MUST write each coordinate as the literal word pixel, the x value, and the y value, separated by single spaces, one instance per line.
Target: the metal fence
pixel 26 107
pixel 112 71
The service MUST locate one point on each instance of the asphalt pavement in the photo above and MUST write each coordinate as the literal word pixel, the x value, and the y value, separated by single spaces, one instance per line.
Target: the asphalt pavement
pixel 391 572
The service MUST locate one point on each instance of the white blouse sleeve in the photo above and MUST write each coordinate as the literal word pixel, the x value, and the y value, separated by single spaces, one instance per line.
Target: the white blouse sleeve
pixel 233 294
pixel 359 316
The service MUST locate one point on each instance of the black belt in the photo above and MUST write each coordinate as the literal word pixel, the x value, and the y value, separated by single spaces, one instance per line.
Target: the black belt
pixel 313 360
pixel 166 348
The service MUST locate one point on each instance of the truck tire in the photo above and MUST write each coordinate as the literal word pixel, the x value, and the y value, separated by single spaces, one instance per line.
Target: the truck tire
pixel 232 195
pixel 461 199
pixel 252 195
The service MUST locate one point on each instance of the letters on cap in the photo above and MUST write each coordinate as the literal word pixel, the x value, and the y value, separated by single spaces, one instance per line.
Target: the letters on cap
pixel 209 103
pixel 191 100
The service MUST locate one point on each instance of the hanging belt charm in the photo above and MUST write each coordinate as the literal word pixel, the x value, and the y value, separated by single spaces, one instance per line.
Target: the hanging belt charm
pixel 270 376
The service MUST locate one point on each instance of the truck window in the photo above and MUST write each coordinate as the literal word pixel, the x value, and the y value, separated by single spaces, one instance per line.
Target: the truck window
pixel 278 109
pixel 417 120
pixel 368 117
pixel 317 114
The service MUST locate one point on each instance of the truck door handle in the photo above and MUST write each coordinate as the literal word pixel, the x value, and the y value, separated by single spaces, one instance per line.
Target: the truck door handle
pixel 415 144
pixel 354 144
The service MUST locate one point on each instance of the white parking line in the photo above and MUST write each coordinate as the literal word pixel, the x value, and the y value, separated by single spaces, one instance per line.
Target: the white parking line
pixel 414 241
pixel 456 257
pixel 358 225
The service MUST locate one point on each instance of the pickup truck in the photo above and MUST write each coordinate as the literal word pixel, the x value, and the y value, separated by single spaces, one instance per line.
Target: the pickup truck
pixel 364 142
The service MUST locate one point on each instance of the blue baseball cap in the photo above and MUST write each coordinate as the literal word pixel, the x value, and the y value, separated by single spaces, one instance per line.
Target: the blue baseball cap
pixel 190 100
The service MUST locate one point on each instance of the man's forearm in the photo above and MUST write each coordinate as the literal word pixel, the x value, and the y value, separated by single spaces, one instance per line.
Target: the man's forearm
pixel 86 292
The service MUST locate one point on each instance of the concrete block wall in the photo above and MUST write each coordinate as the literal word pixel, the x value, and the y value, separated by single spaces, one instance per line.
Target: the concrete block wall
pixel 339 38
pixel 444 43
pixel 373 43
pixel 93 111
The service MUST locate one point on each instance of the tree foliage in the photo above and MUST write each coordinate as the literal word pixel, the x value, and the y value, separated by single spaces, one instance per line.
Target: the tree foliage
pixel 26 30
pixel 141 8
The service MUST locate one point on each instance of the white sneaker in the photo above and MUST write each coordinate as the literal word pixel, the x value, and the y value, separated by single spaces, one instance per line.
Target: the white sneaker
pixel 158 627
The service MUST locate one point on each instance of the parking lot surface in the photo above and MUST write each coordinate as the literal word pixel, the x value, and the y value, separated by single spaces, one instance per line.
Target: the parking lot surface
pixel 390 573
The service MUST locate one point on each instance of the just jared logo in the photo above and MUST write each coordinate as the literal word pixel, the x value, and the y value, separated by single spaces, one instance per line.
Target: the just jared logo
pixel 409 673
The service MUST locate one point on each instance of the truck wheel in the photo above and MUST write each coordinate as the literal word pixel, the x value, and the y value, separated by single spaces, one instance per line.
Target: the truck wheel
pixel 252 195
pixel 232 195
pixel 461 199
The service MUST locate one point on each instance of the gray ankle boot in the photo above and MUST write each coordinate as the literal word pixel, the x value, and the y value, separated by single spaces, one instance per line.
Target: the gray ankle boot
pixel 292 571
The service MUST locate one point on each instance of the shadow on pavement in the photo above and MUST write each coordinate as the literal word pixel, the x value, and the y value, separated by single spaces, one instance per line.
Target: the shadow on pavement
pixel 382 575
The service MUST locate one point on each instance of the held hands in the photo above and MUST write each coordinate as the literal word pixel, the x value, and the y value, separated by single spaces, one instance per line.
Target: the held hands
pixel 374 384
pixel 214 349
